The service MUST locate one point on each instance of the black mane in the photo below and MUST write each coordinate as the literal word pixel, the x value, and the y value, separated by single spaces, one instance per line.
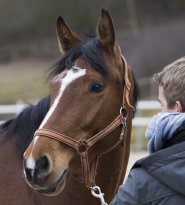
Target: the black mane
pixel 136 94
pixel 90 50
pixel 26 123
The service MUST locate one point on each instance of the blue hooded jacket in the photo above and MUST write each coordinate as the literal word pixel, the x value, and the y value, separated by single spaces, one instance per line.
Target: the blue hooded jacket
pixel 161 182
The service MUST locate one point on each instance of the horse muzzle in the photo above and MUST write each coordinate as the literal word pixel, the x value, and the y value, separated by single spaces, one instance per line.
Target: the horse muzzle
pixel 38 176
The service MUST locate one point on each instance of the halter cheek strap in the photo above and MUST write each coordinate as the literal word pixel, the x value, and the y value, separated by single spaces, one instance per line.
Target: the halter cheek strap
pixel 128 89
pixel 82 146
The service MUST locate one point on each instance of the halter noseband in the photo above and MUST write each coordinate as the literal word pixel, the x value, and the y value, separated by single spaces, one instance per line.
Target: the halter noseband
pixel 82 146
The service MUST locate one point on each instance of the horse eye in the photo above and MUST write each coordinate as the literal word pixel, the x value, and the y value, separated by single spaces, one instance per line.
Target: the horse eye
pixel 96 87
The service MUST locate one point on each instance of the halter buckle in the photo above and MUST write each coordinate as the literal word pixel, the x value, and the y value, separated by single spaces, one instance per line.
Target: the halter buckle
pixel 124 113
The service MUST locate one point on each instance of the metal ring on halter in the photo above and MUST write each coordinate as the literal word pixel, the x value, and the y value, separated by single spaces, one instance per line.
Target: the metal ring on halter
pixel 124 113
pixel 82 146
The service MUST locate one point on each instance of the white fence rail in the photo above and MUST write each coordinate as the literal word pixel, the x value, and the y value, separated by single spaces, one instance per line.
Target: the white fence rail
pixel 11 109
pixel 140 119
pixel 139 122
pixel 145 111
pixel 14 109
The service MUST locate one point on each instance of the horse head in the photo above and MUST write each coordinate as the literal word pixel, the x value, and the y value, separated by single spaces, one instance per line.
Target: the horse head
pixel 89 85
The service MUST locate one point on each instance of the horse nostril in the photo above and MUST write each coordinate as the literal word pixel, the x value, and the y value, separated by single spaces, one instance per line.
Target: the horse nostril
pixel 27 171
pixel 28 174
pixel 42 167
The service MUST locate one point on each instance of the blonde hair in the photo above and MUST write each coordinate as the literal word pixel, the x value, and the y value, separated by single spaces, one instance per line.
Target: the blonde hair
pixel 172 79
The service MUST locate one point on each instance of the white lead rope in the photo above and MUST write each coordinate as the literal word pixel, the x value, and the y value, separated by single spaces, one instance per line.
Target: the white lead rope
pixel 96 192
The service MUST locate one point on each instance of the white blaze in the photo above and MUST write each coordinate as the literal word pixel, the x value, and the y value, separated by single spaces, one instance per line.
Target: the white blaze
pixel 70 76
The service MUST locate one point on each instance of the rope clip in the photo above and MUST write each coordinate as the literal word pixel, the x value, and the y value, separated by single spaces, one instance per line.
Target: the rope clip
pixel 96 192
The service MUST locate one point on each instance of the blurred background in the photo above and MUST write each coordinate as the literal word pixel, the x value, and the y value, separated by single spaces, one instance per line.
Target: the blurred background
pixel 150 33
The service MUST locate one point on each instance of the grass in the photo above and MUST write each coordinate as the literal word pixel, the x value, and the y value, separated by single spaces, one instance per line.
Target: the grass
pixel 24 80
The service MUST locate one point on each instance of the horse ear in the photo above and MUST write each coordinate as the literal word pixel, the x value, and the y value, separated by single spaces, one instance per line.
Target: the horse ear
pixel 105 30
pixel 66 37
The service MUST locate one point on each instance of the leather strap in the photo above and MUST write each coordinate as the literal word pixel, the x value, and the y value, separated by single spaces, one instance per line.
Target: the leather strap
pixel 128 85
pixel 86 170
pixel 57 136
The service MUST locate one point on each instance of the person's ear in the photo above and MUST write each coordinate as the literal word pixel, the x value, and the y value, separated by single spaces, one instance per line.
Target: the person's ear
pixel 178 106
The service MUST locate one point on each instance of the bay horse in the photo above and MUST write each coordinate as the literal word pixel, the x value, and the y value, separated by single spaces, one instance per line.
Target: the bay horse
pixel 76 140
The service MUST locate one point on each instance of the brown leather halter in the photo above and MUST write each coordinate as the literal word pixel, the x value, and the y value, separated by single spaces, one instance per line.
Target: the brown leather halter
pixel 82 146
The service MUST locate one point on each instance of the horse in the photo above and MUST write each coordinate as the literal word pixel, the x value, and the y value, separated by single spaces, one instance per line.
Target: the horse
pixel 74 144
